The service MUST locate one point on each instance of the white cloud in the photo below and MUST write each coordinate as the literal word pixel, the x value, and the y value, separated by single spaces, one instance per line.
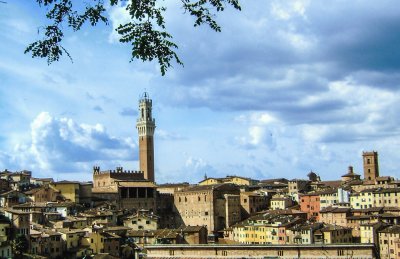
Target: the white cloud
pixel 62 145
pixel 118 15
pixel 260 126
pixel 285 10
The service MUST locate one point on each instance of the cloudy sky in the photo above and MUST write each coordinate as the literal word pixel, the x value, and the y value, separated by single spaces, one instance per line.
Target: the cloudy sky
pixel 287 87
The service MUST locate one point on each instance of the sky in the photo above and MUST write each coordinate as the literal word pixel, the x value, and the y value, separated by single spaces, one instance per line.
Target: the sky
pixel 287 87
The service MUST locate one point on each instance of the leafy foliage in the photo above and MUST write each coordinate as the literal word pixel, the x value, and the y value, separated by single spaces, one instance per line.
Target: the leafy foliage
pixel 145 32
pixel 20 245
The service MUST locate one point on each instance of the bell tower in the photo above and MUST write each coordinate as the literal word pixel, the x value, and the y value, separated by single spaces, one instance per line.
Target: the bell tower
pixel 371 167
pixel 145 125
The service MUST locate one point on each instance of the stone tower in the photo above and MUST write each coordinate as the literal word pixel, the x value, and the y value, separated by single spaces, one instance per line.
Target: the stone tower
pixel 371 167
pixel 146 125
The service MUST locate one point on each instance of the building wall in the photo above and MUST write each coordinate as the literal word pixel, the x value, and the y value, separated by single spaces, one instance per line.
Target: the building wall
pixel 310 204
pixel 355 251
pixel 69 190
pixel 370 164
pixel 232 209
pixel 297 186
pixel 196 208
pixel 204 206
pixel 388 245
pixel 339 219
pixel 141 222
pixel 252 203
pixel 338 236
pixel 328 199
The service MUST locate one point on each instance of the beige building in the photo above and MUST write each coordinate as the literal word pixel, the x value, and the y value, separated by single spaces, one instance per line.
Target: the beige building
pixel 389 242
pixel 303 233
pixel 280 202
pixel 143 220
pixel 328 198
pixel 252 202
pixel 46 193
pixel 334 234
pixel 377 197
pixel 19 221
pixel 335 216
pixel 209 205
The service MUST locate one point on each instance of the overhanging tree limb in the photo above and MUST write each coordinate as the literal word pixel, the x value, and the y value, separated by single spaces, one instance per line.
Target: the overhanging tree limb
pixel 145 32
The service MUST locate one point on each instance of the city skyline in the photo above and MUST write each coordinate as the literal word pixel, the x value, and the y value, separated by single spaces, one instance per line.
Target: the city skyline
pixel 285 88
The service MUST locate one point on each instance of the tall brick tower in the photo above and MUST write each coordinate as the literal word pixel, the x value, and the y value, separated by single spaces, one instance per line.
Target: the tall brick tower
pixel 371 167
pixel 146 125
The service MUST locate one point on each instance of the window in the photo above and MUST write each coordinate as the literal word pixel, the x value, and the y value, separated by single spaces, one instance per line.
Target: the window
pixel 280 253
pixel 91 240
pixel 224 253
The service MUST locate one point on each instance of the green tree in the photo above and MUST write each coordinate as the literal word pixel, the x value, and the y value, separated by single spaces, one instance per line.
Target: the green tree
pixel 145 32
pixel 20 246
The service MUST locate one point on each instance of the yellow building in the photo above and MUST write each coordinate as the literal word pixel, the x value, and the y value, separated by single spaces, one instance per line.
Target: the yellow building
pixel 210 181
pixel 369 232
pixel 264 229
pixel 68 189
pixel 72 238
pixel 365 200
pixel 389 242
pixel 238 180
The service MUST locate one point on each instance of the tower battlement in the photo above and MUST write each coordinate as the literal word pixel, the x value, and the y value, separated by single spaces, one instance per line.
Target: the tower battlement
pixel 118 171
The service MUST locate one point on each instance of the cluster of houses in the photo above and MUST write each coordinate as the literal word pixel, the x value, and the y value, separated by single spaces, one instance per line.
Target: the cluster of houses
pixel 121 215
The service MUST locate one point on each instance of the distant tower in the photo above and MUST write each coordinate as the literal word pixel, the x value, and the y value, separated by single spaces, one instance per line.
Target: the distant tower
pixel 146 125
pixel 371 167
